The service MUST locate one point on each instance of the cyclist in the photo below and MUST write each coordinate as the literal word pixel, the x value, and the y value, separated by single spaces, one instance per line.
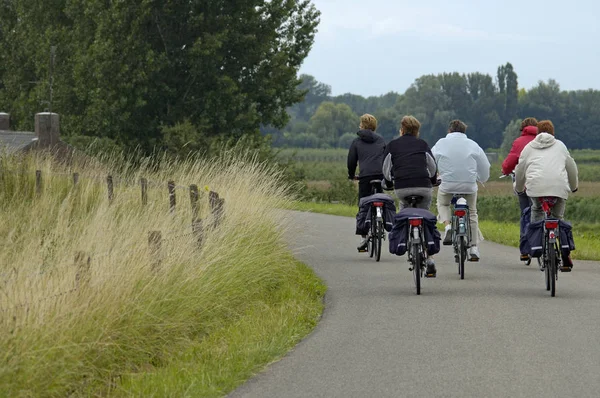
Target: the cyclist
pixel 528 132
pixel 461 163
pixel 547 169
pixel 409 163
pixel 366 151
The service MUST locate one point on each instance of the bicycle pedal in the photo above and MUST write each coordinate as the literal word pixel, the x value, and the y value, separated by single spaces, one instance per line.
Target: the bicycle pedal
pixel 473 260
pixel 363 250
pixel 565 269
pixel 430 275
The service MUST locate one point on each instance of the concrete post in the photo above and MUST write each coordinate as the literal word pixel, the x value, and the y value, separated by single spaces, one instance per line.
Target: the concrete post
pixel 47 129
pixel 4 121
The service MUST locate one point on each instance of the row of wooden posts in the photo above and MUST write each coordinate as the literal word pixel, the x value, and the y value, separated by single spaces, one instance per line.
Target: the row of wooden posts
pixel 155 238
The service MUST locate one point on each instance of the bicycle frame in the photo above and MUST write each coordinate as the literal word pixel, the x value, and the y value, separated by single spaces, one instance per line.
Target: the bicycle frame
pixel 461 232
pixel 417 252
pixel 551 254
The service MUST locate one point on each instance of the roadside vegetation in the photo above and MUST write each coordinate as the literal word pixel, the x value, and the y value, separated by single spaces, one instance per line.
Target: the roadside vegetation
pixel 182 320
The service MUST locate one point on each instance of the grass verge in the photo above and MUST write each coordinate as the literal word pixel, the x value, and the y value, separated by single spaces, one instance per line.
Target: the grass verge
pixel 175 320
pixel 586 238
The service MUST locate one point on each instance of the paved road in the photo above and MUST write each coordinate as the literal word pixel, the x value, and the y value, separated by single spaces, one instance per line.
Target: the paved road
pixel 498 333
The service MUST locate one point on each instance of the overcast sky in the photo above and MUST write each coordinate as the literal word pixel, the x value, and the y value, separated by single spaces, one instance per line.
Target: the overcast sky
pixel 371 47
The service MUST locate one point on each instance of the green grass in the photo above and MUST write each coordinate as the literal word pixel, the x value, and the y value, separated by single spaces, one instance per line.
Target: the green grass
pixel 216 365
pixel 199 324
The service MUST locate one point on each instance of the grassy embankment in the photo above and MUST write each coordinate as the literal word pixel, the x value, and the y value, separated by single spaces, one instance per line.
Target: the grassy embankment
pixel 199 323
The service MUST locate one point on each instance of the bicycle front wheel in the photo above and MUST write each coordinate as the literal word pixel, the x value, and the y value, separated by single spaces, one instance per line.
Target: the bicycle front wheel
pixel 373 238
pixel 552 269
pixel 417 259
pixel 462 256
pixel 379 236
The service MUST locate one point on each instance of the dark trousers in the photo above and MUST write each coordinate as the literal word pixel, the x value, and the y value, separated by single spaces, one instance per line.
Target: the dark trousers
pixel 524 202
pixel 365 188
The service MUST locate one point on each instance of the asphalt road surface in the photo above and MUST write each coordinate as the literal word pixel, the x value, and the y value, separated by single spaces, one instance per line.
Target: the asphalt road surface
pixel 497 333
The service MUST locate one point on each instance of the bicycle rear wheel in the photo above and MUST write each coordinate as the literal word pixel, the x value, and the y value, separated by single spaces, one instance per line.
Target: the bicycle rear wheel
pixel 552 269
pixel 373 237
pixel 462 256
pixel 417 259
pixel 379 228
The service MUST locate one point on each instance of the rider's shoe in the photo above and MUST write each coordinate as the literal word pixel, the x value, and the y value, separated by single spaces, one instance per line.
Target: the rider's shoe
pixel 363 245
pixel 525 257
pixel 473 253
pixel 448 235
pixel 430 270
pixel 567 266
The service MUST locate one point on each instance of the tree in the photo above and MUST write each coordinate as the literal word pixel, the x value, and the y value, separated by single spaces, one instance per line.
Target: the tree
pixel 331 121
pixel 511 132
pixel 126 69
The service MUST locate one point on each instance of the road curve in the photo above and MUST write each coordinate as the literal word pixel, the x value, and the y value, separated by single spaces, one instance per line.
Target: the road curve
pixel 498 333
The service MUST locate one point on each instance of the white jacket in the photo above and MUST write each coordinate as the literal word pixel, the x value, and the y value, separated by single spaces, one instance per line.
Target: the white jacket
pixel 546 168
pixel 461 163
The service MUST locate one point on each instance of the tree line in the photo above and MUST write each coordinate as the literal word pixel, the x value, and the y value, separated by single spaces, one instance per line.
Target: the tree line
pixel 150 74
pixel 490 106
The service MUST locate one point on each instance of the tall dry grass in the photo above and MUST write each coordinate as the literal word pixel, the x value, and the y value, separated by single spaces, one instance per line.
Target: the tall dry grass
pixel 63 336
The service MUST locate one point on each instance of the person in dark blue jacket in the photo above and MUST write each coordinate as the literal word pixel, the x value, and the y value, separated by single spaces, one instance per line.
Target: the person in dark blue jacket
pixel 366 152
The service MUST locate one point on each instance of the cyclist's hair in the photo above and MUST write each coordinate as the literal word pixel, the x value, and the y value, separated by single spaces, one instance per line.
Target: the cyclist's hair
pixel 410 126
pixel 457 126
pixel 529 121
pixel 368 122
pixel 545 126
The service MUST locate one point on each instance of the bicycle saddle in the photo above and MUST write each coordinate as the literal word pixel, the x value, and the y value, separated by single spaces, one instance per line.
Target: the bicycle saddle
pixel 413 199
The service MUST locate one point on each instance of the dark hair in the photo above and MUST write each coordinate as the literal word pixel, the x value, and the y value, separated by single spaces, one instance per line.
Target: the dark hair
pixel 457 126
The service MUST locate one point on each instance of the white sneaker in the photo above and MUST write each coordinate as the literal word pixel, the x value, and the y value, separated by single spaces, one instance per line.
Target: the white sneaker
pixel 473 253
pixel 447 235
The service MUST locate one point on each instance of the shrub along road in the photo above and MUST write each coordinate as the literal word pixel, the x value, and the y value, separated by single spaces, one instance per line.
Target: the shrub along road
pixel 498 333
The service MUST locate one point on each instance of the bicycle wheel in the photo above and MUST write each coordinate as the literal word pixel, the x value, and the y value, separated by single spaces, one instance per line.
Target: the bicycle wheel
pixel 379 235
pixel 372 238
pixel 462 256
pixel 552 269
pixel 417 259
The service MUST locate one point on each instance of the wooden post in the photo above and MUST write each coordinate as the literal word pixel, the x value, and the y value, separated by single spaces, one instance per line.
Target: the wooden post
pixel 216 205
pixel 197 229
pixel 82 264
pixel 38 182
pixel 154 245
pixel 47 129
pixel 75 179
pixel 194 201
pixel 144 184
pixel 172 199
pixel 4 121
pixel 109 183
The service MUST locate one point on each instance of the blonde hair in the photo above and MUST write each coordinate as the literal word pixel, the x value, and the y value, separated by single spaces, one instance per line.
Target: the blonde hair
pixel 368 122
pixel 545 126
pixel 409 125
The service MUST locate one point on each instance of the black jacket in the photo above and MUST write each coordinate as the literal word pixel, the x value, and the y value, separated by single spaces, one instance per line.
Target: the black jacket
pixel 409 162
pixel 366 151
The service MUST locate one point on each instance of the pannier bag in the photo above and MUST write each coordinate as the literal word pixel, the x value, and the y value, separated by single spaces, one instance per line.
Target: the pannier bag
pixel 363 217
pixel 398 236
pixel 531 242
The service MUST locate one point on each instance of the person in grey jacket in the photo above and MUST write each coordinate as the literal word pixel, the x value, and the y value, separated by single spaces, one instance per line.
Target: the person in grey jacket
pixel 461 164
pixel 366 152
pixel 546 168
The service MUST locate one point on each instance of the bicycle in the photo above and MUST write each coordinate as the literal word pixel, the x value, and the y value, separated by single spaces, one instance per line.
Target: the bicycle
pixel 377 231
pixel 417 251
pixel 461 231
pixel 551 255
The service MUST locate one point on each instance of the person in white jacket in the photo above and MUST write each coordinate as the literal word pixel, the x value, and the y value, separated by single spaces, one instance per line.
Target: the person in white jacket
pixel 546 168
pixel 461 164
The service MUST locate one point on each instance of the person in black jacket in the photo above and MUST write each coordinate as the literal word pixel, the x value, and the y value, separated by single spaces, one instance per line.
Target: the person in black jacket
pixel 409 163
pixel 366 151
